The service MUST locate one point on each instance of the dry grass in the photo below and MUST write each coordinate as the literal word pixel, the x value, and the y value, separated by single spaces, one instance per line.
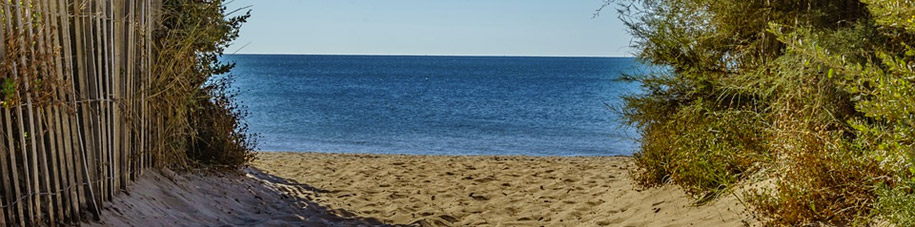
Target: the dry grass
pixel 198 111
pixel 91 98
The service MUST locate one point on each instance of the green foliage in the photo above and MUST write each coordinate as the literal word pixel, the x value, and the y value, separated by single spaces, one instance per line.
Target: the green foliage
pixel 204 121
pixel 221 138
pixel 897 204
pixel 698 148
pixel 820 93
pixel 713 149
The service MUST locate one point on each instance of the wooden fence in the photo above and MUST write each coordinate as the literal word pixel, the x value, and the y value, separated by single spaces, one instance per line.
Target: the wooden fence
pixel 74 120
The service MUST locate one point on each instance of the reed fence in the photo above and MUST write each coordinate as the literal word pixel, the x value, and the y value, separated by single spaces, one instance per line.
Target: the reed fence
pixel 75 121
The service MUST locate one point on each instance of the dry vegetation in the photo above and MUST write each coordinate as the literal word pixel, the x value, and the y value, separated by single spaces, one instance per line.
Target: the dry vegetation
pixel 93 92
pixel 817 95
pixel 192 88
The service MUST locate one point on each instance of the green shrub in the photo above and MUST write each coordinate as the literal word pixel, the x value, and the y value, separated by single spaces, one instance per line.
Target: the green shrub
pixel 705 151
pixel 192 97
pixel 818 93
pixel 221 137
pixel 897 204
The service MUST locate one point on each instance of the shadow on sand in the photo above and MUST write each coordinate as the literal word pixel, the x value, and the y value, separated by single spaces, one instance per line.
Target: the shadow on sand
pixel 300 194
pixel 249 198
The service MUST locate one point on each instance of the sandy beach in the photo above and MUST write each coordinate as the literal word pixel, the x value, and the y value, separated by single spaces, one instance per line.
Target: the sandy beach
pixel 490 191
pixel 250 198
pixel 315 189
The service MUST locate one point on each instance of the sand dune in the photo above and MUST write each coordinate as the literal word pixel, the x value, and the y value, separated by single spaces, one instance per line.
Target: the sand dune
pixel 490 191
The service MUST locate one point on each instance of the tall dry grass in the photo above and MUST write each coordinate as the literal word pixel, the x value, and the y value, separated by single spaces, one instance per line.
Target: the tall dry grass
pixel 194 103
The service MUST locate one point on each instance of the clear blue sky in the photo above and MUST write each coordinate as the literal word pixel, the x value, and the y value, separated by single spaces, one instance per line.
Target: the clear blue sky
pixel 432 27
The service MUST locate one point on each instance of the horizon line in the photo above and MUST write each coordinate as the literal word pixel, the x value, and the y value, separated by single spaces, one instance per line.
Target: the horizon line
pixel 436 55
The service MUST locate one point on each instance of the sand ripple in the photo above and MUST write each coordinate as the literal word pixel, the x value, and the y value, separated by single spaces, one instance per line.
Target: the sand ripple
pixel 491 191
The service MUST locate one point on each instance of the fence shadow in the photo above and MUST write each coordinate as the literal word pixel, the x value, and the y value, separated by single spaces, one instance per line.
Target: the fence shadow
pixel 249 198
pixel 292 191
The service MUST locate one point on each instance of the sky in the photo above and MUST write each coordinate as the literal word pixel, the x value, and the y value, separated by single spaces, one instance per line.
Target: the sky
pixel 431 27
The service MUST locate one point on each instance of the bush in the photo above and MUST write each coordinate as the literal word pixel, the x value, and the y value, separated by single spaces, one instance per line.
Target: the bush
pixel 703 151
pixel 819 93
pixel 192 97
pixel 221 137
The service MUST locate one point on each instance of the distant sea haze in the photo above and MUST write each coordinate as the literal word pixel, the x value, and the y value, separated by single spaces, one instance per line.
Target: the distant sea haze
pixel 436 105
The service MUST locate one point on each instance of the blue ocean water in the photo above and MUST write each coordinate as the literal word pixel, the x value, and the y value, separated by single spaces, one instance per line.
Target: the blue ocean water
pixel 436 105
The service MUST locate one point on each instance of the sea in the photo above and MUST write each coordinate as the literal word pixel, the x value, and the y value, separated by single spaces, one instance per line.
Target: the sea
pixel 437 105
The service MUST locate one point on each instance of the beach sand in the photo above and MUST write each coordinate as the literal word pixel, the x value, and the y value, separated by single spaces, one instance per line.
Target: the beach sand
pixel 164 198
pixel 314 189
pixel 490 191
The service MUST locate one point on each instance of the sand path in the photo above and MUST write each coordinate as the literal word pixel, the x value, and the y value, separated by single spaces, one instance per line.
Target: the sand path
pixel 489 191
pixel 163 198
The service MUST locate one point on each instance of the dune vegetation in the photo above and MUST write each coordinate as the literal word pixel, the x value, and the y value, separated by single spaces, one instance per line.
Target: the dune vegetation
pixel 193 86
pixel 814 97
pixel 95 92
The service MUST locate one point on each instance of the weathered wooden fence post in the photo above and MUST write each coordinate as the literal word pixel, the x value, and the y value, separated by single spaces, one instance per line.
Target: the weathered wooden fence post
pixel 73 105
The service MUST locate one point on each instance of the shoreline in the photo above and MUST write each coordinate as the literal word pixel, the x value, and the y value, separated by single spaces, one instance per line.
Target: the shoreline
pixel 444 155
pixel 436 55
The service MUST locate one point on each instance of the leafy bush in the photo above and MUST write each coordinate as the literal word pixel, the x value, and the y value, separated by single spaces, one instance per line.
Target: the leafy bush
pixel 819 93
